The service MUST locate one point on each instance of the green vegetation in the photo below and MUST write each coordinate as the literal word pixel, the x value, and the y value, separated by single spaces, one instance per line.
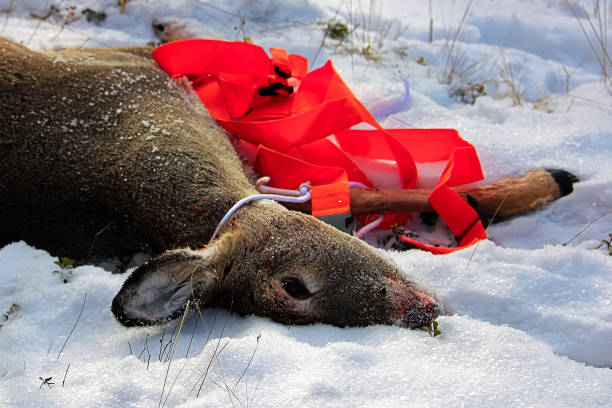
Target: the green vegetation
pixel 432 329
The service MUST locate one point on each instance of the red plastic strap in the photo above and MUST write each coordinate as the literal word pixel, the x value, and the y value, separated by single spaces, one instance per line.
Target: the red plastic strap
pixel 330 191
pixel 292 128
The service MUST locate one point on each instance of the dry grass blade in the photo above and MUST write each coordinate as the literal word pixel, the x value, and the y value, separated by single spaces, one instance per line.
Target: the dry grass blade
pixel 184 363
pixel 145 347
pixel 216 353
pixel 204 375
pixel 487 227
pixel 596 36
pixel 370 31
pixel 226 387
pixel 37 25
pixel 178 335
pixel 431 22
pixel 506 72
pixel 122 4
pixel 195 326
pixel 325 34
pixel 65 374
pixel 241 27
pixel 161 344
pixel 254 392
pixel 251 359
pixel 73 327
pixel 93 242
pixel 50 345
pixel 455 61
pixel 587 226
pixel 212 326
pixel 8 15
pixel 219 9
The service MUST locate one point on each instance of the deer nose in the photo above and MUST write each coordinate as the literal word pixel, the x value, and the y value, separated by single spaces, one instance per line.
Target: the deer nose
pixel 427 300
pixel 411 307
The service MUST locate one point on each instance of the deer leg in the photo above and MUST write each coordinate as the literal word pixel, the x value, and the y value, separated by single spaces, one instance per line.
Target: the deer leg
pixel 506 197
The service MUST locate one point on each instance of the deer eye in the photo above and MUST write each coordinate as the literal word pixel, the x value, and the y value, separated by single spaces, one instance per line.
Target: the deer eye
pixel 295 288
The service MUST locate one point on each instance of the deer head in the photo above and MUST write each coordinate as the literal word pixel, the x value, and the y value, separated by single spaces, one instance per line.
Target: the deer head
pixel 279 264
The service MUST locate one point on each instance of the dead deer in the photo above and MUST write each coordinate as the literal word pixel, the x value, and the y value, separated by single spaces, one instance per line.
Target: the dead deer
pixel 102 154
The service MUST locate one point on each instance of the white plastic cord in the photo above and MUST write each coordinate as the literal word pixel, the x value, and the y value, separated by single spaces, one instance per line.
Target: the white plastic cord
pixel 304 195
pixel 394 106
pixel 368 227
pixel 357 184
pixel 262 187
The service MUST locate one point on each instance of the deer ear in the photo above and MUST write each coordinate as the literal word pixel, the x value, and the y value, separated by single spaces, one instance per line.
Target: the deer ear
pixel 158 290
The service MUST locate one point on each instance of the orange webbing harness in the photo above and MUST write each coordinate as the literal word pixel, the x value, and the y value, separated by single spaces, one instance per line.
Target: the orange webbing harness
pixel 285 115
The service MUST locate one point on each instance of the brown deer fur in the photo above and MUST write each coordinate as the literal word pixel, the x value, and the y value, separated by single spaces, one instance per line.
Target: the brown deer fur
pixel 101 153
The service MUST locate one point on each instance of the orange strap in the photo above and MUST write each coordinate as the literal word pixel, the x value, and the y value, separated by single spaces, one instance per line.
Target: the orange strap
pixel 287 114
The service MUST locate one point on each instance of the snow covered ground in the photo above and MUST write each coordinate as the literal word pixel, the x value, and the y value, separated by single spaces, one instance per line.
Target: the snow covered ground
pixel 532 322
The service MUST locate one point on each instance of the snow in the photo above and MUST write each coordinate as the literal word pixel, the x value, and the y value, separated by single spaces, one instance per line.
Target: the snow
pixel 530 320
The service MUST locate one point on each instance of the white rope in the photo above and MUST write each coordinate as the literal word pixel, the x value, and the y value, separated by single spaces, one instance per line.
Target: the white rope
pixel 382 112
pixel 368 227
pixel 304 195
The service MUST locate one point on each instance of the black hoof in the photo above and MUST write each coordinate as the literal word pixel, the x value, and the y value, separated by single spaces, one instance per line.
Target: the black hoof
pixel 564 179
pixel 484 219
pixel 429 218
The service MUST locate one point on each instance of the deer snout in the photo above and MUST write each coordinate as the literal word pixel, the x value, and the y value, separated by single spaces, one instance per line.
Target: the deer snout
pixel 410 306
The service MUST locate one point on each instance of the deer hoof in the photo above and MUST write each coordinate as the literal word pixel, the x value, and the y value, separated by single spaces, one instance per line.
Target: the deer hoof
pixel 564 179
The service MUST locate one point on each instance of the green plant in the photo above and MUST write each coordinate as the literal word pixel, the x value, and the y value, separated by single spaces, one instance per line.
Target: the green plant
pixel 64 262
pixel 66 265
pixel 337 30
pixel 432 329
pixel 606 243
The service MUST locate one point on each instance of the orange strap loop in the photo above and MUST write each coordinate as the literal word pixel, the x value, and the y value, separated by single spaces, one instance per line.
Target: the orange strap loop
pixel 298 125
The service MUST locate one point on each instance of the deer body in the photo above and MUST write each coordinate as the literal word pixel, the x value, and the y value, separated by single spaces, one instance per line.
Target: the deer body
pixel 101 154
pixel 90 137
